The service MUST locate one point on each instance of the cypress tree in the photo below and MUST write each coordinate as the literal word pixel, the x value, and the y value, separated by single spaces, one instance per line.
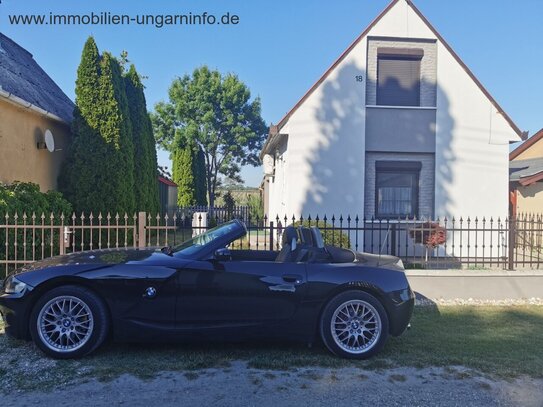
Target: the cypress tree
pixel 200 180
pixel 82 177
pixel 98 173
pixel 117 133
pixel 145 157
pixel 183 175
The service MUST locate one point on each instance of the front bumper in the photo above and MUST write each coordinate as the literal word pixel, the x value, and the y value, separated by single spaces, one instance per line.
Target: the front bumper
pixel 15 314
pixel 401 311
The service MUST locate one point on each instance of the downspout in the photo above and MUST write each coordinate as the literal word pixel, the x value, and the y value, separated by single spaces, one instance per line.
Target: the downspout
pixel 27 105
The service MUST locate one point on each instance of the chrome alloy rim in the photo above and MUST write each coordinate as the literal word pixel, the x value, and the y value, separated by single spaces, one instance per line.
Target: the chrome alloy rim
pixel 356 326
pixel 65 324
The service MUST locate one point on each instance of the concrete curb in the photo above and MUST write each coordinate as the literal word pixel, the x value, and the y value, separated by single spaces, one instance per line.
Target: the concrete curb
pixel 473 273
pixel 491 285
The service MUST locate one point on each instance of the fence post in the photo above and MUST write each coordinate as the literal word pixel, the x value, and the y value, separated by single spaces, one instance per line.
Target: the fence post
pixel 271 236
pixel 393 239
pixel 142 216
pixel 511 242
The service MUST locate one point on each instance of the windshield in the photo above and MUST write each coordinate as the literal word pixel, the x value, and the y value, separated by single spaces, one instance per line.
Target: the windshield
pixel 199 242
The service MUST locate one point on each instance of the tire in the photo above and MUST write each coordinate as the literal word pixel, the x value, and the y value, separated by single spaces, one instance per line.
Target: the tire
pixel 69 322
pixel 354 325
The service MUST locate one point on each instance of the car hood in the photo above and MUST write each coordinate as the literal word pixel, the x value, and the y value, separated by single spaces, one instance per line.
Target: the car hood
pixel 96 258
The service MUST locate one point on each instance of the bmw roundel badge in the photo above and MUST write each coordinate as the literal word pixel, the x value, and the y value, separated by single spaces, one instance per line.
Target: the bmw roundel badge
pixel 150 292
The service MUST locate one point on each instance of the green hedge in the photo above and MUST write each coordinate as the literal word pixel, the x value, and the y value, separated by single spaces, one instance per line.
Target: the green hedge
pixel 331 236
pixel 25 198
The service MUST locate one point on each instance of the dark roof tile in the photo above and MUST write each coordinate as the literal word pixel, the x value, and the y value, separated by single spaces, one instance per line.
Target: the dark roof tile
pixel 21 75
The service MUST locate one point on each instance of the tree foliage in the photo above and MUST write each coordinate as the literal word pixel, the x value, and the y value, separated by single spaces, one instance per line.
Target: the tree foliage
pixel 256 207
pixel 217 114
pixel 111 162
pixel 117 131
pixel 145 157
pixel 26 199
pixel 229 204
pixel 183 176
pixel 331 235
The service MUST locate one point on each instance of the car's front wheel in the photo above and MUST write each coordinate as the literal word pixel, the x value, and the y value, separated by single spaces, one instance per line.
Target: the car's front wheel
pixel 354 325
pixel 69 322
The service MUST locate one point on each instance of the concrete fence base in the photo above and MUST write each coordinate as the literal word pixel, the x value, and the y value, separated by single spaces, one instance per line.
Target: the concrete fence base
pixel 479 285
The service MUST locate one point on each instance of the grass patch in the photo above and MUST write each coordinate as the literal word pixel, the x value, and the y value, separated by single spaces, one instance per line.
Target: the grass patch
pixel 501 341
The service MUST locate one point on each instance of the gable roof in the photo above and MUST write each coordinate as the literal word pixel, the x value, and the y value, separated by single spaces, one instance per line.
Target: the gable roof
pixel 166 181
pixel 526 145
pixel 22 77
pixel 285 119
pixel 526 172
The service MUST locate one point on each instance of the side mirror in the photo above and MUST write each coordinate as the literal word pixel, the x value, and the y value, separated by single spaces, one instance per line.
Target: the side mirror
pixel 223 254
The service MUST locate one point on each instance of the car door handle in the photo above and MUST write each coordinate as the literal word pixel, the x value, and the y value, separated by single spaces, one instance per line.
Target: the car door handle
pixel 292 278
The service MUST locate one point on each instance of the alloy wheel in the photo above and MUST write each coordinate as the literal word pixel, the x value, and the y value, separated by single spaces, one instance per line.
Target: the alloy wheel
pixel 356 326
pixel 65 324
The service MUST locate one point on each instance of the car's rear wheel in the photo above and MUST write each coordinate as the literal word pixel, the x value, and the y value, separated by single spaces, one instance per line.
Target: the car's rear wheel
pixel 354 325
pixel 69 322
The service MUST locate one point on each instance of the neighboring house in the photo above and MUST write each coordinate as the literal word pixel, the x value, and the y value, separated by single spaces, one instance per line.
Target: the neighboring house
pixel 33 111
pixel 526 176
pixel 167 192
pixel 397 127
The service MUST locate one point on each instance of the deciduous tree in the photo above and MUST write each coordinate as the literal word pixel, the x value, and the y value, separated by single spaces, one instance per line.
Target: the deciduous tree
pixel 216 113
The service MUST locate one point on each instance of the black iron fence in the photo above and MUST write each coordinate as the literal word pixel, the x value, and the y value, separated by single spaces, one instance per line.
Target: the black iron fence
pixel 443 243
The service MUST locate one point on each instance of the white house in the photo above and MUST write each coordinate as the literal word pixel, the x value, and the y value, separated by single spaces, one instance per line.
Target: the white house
pixel 398 126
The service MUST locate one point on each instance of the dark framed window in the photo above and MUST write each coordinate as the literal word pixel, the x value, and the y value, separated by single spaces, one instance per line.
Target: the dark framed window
pixel 397 189
pixel 398 77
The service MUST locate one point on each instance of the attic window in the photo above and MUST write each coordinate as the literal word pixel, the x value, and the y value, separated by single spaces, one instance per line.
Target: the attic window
pixel 398 76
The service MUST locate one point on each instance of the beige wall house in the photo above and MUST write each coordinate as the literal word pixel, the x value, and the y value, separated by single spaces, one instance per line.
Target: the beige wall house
pixel 526 176
pixel 35 117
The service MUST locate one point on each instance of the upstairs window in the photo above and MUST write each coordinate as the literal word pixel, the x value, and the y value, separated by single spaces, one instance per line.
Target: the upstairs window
pixel 397 189
pixel 398 76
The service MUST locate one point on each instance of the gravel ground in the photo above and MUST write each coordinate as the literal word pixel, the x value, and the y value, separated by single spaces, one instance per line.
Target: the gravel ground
pixel 238 385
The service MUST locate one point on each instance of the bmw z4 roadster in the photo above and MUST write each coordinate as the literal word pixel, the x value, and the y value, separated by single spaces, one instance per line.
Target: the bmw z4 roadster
pixel 203 290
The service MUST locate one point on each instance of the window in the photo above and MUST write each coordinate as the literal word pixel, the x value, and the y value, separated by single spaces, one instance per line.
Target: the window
pixel 398 76
pixel 397 188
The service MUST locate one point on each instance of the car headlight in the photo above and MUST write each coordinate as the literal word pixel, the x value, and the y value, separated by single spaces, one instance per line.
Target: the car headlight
pixel 14 286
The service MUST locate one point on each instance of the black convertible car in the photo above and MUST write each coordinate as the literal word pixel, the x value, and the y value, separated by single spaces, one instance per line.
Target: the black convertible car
pixel 202 290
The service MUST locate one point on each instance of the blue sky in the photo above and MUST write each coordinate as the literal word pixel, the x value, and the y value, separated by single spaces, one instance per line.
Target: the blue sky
pixel 280 48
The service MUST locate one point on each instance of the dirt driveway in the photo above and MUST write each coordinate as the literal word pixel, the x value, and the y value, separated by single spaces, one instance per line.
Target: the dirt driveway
pixel 239 385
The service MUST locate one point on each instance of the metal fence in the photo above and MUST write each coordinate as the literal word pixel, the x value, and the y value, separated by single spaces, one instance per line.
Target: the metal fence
pixel 469 243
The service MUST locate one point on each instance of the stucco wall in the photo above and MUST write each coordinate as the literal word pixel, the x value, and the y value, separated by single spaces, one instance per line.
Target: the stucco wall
pixel 530 198
pixel 534 151
pixel 20 160
pixel 326 145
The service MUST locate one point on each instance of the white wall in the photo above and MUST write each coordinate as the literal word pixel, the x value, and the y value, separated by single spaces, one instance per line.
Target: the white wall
pixel 472 148
pixel 326 144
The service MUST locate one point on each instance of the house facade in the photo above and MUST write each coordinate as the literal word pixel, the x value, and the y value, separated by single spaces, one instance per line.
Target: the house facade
pixel 397 127
pixel 35 117
pixel 526 176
